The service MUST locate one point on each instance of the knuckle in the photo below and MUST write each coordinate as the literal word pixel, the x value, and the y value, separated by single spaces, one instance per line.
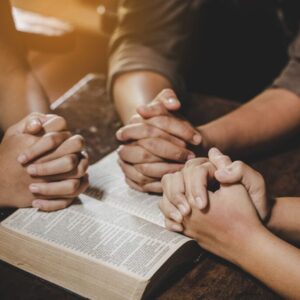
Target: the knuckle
pixel 221 157
pixel 79 142
pixel 239 166
pixel 190 163
pixel 152 143
pixel 52 140
pixel 179 155
pixel 135 119
pixel 43 189
pixel 80 171
pixel 41 169
pixel 74 185
pixel 167 92
pixel 71 161
pixel 187 130
pixel 143 168
pixel 145 155
pixel 141 179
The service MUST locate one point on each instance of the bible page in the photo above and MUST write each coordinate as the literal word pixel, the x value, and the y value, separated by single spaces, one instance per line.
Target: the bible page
pixel 108 184
pixel 102 233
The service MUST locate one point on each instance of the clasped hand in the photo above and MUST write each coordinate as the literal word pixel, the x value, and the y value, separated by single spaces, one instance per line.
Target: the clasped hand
pixel 155 143
pixel 219 220
pixel 42 164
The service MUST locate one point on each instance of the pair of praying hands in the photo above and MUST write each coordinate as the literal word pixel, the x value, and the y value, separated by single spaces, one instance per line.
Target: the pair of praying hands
pixel 42 164
pixel 155 143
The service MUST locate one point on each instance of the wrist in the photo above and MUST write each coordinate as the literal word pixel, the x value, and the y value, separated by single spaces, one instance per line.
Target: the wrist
pixel 270 202
pixel 245 241
pixel 212 136
pixel 250 245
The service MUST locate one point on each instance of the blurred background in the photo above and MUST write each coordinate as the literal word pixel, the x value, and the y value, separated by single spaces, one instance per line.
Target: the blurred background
pixel 66 39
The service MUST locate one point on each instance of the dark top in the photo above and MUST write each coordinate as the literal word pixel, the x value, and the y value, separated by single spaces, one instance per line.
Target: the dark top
pixel 160 36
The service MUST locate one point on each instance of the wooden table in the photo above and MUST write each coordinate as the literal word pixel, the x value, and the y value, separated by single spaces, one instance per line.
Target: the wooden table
pixel 90 113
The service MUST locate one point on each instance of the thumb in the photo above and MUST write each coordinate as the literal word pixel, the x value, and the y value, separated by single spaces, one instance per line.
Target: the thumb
pixel 169 99
pixel 35 124
pixel 32 124
pixel 239 172
pixel 164 102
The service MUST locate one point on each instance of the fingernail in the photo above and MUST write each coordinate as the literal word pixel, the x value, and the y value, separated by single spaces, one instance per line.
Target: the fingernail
pixel 172 101
pixel 37 204
pixel 176 216
pixel 34 123
pixel 119 134
pixel 197 139
pixel 31 170
pixel 176 227
pixel 215 151
pixel 183 209
pixel 199 202
pixel 22 159
pixel 34 188
pixel 191 156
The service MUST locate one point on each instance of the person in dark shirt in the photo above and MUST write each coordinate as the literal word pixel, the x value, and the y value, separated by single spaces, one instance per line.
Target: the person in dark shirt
pixel 238 49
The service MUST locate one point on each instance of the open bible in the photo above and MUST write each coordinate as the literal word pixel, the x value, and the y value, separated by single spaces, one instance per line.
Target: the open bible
pixel 110 244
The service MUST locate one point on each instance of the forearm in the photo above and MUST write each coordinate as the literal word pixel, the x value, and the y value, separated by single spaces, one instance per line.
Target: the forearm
pixel 273 261
pixel 284 220
pixel 269 116
pixel 133 89
pixel 16 103
pixel 20 92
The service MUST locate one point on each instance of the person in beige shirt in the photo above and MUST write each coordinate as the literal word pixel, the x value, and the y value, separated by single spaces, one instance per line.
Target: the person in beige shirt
pixel 248 51
pixel 41 163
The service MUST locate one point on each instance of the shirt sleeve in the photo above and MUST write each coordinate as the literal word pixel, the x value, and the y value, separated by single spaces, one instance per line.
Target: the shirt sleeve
pixel 290 76
pixel 151 35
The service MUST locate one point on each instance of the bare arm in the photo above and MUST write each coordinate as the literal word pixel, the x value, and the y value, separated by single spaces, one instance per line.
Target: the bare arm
pixel 269 116
pixel 20 91
pixel 273 261
pixel 133 89
pixel 148 51
pixel 284 220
